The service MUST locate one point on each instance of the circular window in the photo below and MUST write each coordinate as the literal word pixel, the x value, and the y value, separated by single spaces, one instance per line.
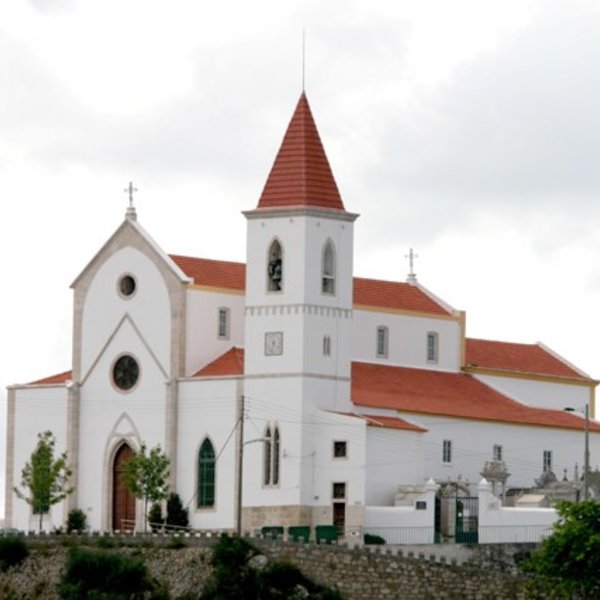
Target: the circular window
pixel 126 372
pixel 127 285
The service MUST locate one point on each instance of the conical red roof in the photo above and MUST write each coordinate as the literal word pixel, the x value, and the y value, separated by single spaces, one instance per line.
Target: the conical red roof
pixel 301 175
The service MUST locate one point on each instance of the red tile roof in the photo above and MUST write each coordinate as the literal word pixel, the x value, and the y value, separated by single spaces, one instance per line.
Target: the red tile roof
pixel 58 378
pixel 395 295
pixel 387 422
pixel 301 175
pixel 522 358
pixel 367 292
pixel 449 394
pixel 214 273
pixel 423 391
pixel 228 364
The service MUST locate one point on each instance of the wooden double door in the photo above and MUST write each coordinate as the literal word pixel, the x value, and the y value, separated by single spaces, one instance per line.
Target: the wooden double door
pixel 123 501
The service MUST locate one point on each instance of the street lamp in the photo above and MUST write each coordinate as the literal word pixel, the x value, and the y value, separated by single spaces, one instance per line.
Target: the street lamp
pixel 586 453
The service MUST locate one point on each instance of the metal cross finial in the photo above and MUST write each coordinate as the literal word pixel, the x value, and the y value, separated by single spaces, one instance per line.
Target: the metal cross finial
pixel 130 214
pixel 411 262
pixel 130 190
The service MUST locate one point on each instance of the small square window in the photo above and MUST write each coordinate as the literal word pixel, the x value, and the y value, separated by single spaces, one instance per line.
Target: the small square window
pixel 340 449
pixel 339 491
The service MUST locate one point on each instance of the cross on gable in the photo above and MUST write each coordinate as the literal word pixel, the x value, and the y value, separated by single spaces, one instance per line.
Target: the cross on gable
pixel 130 190
pixel 130 214
pixel 412 276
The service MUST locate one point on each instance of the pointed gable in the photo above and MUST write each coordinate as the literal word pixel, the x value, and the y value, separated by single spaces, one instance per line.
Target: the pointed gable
pixel 301 175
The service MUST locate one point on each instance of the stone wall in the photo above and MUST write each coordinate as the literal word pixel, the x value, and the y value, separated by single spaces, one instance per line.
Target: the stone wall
pixel 482 572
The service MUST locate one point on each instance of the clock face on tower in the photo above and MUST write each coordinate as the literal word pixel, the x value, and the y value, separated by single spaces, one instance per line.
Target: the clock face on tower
pixel 273 343
pixel 126 372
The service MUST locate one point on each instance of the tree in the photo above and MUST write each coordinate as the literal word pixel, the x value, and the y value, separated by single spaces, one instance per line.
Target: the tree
pixel 46 479
pixel 146 475
pixel 567 565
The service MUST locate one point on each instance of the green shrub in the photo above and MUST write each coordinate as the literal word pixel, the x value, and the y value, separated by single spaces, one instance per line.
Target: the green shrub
pixel 155 517
pixel 234 577
pixel 176 543
pixel 371 538
pixel 177 516
pixel 76 521
pixel 105 542
pixel 13 551
pixel 100 574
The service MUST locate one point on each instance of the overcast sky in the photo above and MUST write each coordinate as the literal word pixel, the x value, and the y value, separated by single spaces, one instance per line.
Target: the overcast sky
pixel 467 130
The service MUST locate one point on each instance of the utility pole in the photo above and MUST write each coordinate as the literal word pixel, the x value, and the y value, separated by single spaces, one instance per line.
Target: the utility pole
pixel 586 458
pixel 240 473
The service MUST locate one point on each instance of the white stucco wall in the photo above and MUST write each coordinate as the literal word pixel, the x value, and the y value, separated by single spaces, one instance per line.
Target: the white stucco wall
pixel 407 339
pixel 203 343
pixel 541 394
pixel 323 469
pixel 37 409
pixel 303 239
pixel 473 441
pixel 149 308
pixel 394 457
pixel 208 408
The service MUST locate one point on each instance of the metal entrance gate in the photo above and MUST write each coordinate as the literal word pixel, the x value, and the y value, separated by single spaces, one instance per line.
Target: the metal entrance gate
pixel 467 520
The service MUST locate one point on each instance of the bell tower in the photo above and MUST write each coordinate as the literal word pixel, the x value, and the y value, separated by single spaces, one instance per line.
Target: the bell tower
pixel 299 271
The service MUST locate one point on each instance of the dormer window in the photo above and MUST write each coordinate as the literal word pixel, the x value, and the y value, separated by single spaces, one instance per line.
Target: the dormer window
pixel 328 270
pixel 275 267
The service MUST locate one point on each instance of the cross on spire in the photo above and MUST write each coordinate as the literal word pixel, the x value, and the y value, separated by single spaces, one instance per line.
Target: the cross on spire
pixel 130 214
pixel 412 276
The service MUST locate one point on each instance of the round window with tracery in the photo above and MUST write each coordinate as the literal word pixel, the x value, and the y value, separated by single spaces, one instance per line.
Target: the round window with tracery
pixel 126 372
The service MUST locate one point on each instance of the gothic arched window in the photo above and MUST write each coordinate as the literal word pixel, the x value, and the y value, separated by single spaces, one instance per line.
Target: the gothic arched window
pixel 267 457
pixel 276 456
pixel 328 270
pixel 206 475
pixel 275 267
pixel 271 456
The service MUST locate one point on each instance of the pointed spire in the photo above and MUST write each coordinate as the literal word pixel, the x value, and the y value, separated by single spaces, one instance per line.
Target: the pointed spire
pixel 301 175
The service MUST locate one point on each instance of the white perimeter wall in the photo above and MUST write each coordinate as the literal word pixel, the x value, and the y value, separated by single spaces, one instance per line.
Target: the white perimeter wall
pixel 37 410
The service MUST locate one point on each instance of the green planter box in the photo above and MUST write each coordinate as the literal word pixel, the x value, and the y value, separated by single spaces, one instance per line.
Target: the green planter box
pixel 272 532
pixel 299 533
pixel 327 533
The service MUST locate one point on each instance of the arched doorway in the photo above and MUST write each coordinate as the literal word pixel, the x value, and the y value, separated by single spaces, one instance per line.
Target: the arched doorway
pixel 123 501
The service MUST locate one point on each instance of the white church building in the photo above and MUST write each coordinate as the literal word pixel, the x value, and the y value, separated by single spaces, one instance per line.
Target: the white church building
pixel 338 389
